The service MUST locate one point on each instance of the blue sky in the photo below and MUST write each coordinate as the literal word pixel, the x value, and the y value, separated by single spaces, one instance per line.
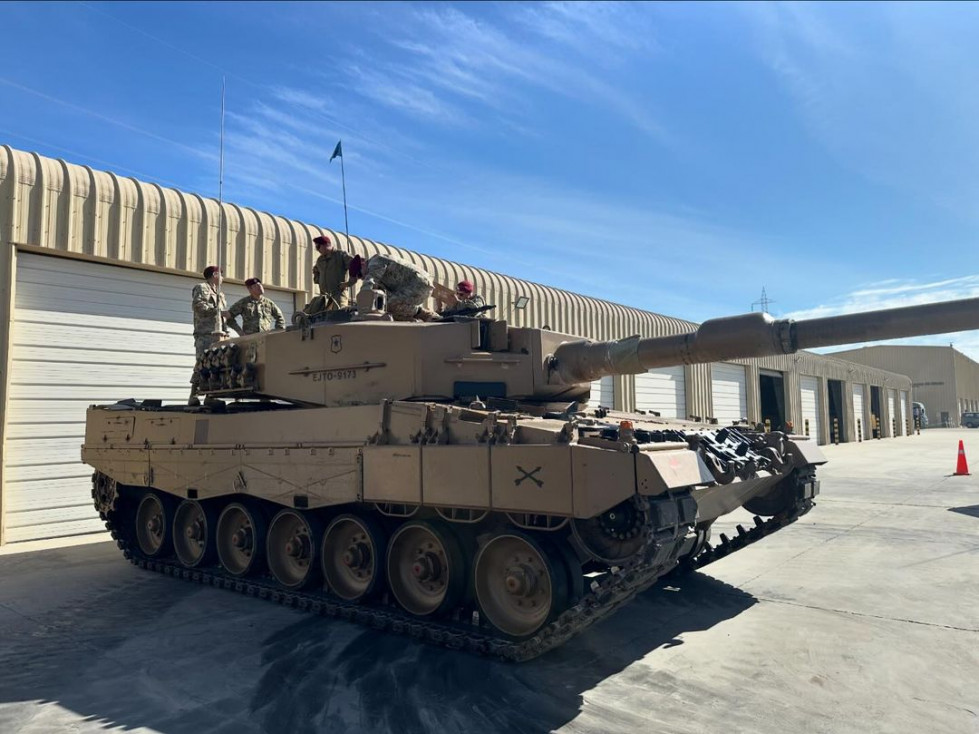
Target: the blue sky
pixel 676 158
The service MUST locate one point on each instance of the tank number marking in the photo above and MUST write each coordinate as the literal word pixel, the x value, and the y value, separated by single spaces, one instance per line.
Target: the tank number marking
pixel 331 375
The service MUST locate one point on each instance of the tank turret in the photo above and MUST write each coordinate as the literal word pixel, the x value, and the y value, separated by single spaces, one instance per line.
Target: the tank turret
pixel 447 480
pixel 344 363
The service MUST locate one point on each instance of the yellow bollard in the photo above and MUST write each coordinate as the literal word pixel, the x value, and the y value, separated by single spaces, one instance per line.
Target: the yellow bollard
pixel 806 426
pixel 859 430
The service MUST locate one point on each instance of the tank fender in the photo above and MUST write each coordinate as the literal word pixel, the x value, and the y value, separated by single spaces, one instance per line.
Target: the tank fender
pixel 661 471
pixel 805 451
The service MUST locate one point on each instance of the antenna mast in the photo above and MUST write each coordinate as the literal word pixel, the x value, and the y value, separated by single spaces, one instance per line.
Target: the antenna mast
pixel 221 187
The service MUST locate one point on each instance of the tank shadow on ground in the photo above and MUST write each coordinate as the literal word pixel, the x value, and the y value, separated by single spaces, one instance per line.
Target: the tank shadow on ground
pixel 379 683
pixel 142 650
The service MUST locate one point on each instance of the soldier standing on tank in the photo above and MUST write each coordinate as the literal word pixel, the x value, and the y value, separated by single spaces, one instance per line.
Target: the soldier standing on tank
pixel 407 286
pixel 257 311
pixel 330 272
pixel 209 305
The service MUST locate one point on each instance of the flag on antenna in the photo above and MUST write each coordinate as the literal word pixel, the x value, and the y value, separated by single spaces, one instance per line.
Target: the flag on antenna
pixel 338 151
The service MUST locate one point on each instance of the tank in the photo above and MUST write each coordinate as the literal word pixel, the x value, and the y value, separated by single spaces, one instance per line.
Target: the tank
pixel 448 480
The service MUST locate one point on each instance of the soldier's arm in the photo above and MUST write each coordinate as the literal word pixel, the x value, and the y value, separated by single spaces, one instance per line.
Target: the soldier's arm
pixel 237 309
pixel 375 271
pixel 280 320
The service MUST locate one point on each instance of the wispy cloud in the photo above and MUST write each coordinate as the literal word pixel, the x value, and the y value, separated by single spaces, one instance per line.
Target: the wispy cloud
pixel 892 110
pixel 445 56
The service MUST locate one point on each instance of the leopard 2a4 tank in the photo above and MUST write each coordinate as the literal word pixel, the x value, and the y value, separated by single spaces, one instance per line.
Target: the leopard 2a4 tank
pixel 448 480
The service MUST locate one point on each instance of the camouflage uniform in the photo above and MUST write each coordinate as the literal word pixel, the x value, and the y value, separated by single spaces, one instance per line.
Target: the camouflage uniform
pixel 257 315
pixel 209 327
pixel 407 285
pixel 329 272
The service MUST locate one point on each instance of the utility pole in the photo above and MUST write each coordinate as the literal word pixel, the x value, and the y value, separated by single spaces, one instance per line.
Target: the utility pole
pixel 763 302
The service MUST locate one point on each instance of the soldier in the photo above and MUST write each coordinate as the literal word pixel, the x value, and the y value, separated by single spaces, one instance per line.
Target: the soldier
pixel 209 305
pixel 258 313
pixel 464 301
pixel 330 270
pixel 407 285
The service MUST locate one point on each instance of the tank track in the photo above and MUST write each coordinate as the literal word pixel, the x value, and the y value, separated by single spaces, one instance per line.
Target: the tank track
pixel 599 601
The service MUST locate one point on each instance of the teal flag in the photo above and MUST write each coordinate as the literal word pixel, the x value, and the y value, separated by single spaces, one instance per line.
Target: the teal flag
pixel 338 151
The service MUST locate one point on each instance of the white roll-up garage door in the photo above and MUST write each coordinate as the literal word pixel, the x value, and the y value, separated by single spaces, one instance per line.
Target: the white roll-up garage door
pixel 858 409
pixel 601 393
pixel 891 413
pixel 662 390
pixel 729 392
pixel 903 410
pixel 85 333
pixel 809 394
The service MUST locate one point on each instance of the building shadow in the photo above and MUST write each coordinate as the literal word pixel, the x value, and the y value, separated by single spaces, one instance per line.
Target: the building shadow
pixel 971 510
pixel 149 651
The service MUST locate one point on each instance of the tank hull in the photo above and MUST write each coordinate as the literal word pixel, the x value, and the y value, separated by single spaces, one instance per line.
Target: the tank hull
pixel 414 527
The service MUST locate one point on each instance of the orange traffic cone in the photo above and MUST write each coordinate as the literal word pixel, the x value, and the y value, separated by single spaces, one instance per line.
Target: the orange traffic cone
pixel 962 468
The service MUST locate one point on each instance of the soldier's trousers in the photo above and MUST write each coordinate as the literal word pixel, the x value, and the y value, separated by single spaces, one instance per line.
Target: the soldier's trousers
pixel 404 306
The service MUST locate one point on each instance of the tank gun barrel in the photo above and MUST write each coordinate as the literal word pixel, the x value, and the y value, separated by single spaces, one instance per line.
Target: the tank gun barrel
pixel 756 335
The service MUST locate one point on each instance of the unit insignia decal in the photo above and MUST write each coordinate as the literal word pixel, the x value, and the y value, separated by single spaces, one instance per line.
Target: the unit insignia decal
pixel 529 475
pixel 335 344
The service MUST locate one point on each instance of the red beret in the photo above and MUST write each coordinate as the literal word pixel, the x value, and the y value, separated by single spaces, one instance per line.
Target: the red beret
pixel 321 240
pixel 253 281
pixel 465 286
pixel 211 270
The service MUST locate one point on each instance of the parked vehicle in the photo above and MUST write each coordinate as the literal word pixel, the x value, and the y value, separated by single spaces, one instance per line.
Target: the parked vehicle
pixel 918 409
pixel 970 420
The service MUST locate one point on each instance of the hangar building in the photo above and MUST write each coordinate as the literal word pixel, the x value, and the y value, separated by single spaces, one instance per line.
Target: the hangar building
pixel 96 271
pixel 943 379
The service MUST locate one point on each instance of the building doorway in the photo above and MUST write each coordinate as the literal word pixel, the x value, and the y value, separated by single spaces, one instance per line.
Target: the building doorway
pixel 771 388
pixel 837 421
pixel 875 411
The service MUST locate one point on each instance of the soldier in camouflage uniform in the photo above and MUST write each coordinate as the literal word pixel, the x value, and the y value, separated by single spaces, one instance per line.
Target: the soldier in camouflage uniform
pixel 466 300
pixel 209 305
pixel 330 272
pixel 407 286
pixel 258 313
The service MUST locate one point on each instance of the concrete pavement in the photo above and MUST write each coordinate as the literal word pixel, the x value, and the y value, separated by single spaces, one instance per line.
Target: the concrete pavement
pixel 861 617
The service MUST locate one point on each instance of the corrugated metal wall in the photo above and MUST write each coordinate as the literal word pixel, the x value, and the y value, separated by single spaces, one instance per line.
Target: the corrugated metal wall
pixel 74 209
pixel 940 375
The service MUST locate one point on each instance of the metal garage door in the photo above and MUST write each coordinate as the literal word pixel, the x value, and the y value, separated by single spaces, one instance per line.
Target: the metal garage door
pixel 85 333
pixel 858 409
pixel 892 413
pixel 601 393
pixel 662 390
pixel 903 410
pixel 729 393
pixel 809 394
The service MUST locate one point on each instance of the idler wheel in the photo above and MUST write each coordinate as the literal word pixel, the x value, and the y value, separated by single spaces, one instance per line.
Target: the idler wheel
pixel 293 540
pixel 192 531
pixel 614 536
pixel 520 584
pixel 353 557
pixel 240 539
pixel 153 525
pixel 426 568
